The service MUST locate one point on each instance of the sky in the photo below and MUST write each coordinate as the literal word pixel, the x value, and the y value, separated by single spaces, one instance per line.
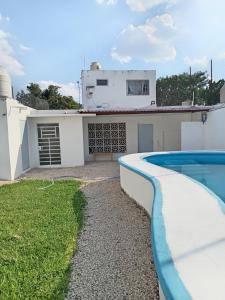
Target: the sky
pixel 50 41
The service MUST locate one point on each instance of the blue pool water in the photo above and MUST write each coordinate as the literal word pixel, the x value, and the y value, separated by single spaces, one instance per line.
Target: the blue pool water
pixel 207 168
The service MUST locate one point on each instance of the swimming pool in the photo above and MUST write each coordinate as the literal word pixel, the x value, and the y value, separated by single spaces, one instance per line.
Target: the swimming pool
pixel 206 168
pixel 184 194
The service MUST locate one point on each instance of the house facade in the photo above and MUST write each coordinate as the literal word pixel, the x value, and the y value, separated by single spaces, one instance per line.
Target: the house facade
pixel 67 138
pixel 107 89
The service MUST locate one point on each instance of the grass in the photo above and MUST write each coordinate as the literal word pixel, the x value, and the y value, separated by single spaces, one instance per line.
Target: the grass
pixel 38 236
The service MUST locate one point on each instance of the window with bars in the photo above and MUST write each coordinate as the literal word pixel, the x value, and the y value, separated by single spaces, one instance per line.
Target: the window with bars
pixel 107 137
pixel 49 144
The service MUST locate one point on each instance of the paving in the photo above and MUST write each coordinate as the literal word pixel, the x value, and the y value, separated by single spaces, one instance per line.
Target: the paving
pixel 3 182
pixel 114 259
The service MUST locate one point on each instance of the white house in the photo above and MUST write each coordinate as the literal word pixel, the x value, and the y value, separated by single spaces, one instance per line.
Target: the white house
pixel 104 89
pixel 66 138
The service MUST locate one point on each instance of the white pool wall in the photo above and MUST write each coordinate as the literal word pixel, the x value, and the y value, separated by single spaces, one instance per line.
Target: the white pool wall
pixel 137 188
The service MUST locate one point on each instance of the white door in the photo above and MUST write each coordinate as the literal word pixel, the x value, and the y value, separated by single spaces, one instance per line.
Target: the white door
pixel 145 138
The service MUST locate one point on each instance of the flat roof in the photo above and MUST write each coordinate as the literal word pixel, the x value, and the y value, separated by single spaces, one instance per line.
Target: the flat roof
pixel 155 110
pixel 54 115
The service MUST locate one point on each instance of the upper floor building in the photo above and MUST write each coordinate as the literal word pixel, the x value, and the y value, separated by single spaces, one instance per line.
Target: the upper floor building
pixel 111 89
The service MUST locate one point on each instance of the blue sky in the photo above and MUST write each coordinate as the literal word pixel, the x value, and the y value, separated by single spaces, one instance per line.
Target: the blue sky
pixel 48 41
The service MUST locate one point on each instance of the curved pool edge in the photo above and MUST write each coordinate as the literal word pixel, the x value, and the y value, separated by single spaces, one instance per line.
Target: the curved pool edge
pixel 169 277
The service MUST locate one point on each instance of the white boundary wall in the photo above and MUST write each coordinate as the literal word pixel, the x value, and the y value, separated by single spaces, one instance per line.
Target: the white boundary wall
pixel 207 136
pixel 192 136
pixel 215 129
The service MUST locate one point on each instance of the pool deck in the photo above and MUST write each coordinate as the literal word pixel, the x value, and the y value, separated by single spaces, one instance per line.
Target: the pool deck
pixel 190 233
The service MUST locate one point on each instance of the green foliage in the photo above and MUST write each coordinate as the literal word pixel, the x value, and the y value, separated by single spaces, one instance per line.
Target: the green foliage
pixel 38 236
pixel 49 98
pixel 30 100
pixel 173 90
pixel 34 89
pixel 211 94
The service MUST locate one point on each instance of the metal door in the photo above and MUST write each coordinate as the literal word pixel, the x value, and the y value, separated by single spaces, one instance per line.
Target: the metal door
pixel 145 138
pixel 24 145
pixel 49 144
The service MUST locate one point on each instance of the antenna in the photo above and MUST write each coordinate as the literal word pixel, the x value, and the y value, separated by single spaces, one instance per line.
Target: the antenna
pixel 12 91
pixel 78 85
pixel 191 88
pixel 211 71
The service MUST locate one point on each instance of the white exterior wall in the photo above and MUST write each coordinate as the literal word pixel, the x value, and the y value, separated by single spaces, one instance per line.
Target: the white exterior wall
pixel 115 94
pixel 11 113
pixel 4 142
pixel 11 136
pixel 71 140
pixel 215 130
pixel 166 130
pixel 192 136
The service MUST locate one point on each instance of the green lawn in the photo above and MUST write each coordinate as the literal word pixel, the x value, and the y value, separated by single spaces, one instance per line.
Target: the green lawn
pixel 38 236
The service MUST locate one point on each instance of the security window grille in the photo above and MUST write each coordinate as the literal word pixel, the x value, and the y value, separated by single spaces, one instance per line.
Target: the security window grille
pixel 137 87
pixel 102 82
pixel 107 137
pixel 49 144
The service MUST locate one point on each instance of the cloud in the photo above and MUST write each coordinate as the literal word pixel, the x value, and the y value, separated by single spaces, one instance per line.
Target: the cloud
pixel 196 61
pixel 6 18
pixel 150 42
pixel 7 58
pixel 139 5
pixel 66 89
pixel 107 2
pixel 221 56
pixel 24 48
pixel 143 5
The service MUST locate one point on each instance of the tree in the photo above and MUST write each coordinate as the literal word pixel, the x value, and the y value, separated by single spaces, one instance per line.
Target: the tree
pixel 32 101
pixel 173 90
pixel 34 89
pixel 49 98
pixel 211 94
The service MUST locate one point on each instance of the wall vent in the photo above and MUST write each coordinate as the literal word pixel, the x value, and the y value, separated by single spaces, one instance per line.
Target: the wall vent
pixel 107 138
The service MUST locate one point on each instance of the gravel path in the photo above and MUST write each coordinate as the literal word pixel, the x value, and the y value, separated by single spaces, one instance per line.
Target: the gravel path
pixel 114 259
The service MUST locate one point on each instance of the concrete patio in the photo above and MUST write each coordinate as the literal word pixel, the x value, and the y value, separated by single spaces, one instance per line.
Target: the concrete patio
pixel 90 171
